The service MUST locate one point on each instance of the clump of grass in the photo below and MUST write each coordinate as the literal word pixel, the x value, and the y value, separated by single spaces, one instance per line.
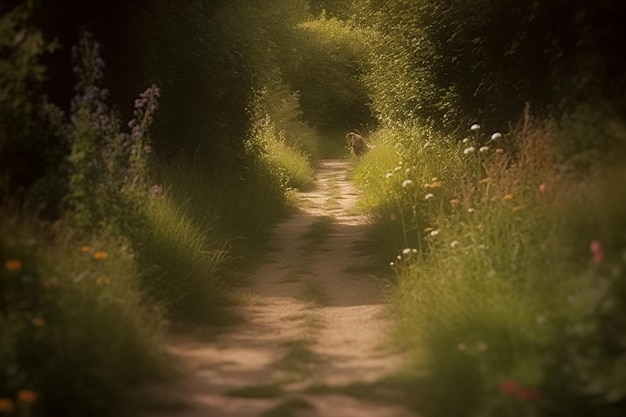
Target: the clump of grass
pixel 257 391
pixel 319 230
pixel 288 408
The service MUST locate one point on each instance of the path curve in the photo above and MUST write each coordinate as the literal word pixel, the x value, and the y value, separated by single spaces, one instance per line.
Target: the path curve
pixel 315 319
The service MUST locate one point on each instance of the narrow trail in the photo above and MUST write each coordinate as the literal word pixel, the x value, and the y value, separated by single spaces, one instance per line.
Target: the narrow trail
pixel 314 323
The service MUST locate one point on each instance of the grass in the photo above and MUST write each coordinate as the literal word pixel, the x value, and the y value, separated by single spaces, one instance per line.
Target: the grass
pixel 288 408
pixel 507 267
pixel 77 331
pixel 319 230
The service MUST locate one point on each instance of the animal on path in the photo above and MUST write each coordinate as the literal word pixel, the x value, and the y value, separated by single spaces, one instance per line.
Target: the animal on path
pixel 356 143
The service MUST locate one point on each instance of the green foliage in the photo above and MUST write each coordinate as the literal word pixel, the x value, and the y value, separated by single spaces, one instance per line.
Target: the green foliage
pixel 76 333
pixel 108 167
pixel 509 266
pixel 26 119
pixel 450 64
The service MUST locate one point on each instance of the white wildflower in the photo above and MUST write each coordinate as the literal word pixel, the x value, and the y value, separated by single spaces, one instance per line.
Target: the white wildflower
pixel 397 168
pixel 471 210
pixel 434 233
pixel 407 183
pixel 483 149
pixel 496 136
pixel 428 196
pixel 389 175
pixel 406 251
pixel 406 171
pixel 469 150
pixel 454 243
pixel 465 140
pixel 475 127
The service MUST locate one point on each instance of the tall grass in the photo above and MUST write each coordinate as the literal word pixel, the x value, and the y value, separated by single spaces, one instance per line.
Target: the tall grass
pixel 509 265
pixel 76 330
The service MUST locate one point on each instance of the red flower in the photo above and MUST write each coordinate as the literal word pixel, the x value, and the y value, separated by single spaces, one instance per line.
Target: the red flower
pixel 509 386
pixel 596 248
pixel 527 394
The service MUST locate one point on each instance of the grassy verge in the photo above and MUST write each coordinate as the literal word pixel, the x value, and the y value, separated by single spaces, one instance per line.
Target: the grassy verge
pixel 508 251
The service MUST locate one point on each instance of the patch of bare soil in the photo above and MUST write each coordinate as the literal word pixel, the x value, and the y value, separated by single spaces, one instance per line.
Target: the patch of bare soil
pixel 314 325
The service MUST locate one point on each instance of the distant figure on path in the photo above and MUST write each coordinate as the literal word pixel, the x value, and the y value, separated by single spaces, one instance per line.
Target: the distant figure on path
pixel 356 144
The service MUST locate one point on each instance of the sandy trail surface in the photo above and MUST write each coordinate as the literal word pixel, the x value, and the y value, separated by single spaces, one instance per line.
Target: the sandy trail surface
pixel 314 323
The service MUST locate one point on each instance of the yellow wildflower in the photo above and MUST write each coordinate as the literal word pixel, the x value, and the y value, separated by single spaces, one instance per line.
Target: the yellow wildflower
pixel 435 184
pixel 85 248
pixel 6 405
pixel 428 229
pixel 103 280
pixel 100 255
pixel 508 197
pixel 13 265
pixel 38 322
pixel 27 396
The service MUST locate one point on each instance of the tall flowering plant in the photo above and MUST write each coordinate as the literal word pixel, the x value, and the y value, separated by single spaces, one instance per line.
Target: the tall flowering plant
pixel 106 164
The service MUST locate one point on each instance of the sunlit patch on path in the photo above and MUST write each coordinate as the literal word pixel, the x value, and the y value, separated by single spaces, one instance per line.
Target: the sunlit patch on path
pixel 315 320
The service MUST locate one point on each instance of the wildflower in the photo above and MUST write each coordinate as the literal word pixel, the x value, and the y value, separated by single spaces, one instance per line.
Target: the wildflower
pixel 510 386
pixel 428 196
pixel 396 169
pixel 527 394
pixel 508 197
pixel 485 180
pixel 103 280
pixel 156 190
pixel 13 265
pixel 483 149
pixel 49 282
pixel 6 405
pixel 434 184
pixel 388 175
pixel 499 150
pixel 399 257
pixel 85 248
pixel 38 322
pixel 391 263
pixel 596 250
pixel 471 210
pixel 496 136
pixel 465 140
pixel 407 183
pixel 406 171
pixel 454 243
pixel 434 233
pixel 428 229
pixel 406 251
pixel 469 150
pixel 542 188
pixel 27 396
pixel 100 255
pixel 475 127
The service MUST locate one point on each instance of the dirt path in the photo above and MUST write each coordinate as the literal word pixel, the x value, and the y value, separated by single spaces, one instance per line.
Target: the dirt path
pixel 314 324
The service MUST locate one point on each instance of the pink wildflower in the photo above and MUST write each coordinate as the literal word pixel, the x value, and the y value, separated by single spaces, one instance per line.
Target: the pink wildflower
pixel 596 250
